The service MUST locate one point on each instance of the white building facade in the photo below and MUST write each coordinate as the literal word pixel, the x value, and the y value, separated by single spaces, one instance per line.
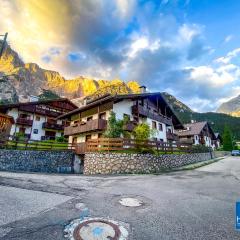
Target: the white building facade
pixel 90 121
pixel 37 120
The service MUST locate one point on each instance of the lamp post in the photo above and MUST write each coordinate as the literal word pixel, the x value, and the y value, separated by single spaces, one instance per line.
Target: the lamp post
pixel 3 43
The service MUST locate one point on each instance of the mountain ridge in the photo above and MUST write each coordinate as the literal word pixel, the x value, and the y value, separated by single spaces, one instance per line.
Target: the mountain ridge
pixel 30 79
pixel 231 107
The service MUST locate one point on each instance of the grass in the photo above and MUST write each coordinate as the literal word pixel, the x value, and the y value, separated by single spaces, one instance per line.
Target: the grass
pixel 135 151
pixel 197 165
pixel 41 145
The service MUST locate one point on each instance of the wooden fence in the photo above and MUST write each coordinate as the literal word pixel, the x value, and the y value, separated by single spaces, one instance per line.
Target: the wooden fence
pixel 11 142
pixel 120 144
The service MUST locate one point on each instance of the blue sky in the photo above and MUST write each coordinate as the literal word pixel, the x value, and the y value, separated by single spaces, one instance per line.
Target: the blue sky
pixel 189 48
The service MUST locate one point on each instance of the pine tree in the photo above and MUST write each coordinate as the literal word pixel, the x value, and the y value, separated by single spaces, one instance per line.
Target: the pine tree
pixel 227 139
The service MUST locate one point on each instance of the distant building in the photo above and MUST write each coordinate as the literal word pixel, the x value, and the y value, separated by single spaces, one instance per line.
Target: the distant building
pixel 197 133
pixel 90 120
pixel 37 120
pixel 6 123
pixel 218 140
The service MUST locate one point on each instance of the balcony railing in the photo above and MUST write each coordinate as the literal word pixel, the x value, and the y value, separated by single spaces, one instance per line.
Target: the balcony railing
pixel 53 126
pixel 47 138
pixel 92 125
pixel 143 111
pixel 24 121
pixel 172 136
pixel 41 111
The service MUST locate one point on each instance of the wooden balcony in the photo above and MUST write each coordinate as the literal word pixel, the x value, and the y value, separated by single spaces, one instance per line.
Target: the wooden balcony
pixel 143 111
pixel 92 125
pixel 38 110
pixel 172 137
pixel 24 121
pixel 53 126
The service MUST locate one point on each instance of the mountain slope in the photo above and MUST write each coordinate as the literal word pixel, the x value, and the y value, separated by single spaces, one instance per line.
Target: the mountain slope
pixel 216 120
pixel 30 79
pixel 231 107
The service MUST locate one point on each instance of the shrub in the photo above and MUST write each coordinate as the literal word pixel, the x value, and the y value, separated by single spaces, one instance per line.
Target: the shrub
pixel 227 139
pixel 61 139
pixel 200 149
pixel 114 128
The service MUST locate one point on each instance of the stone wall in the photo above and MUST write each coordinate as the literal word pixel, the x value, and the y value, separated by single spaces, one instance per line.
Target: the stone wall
pixel 112 163
pixel 36 161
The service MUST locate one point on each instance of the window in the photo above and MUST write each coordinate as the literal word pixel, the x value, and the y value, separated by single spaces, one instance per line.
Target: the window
pixel 37 118
pixel 154 125
pixel 160 127
pixel 102 115
pixel 35 131
pixel 88 137
pixel 100 135
pixel 89 118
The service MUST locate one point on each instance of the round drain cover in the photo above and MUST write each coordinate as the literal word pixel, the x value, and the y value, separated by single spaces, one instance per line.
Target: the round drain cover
pixel 130 202
pixel 95 229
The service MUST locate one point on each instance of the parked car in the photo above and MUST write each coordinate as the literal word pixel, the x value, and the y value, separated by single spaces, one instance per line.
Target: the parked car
pixel 235 153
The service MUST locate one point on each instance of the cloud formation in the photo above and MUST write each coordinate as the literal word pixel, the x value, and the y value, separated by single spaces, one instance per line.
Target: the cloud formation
pixel 128 39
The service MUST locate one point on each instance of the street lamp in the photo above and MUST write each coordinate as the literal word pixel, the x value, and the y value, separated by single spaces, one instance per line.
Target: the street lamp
pixel 3 43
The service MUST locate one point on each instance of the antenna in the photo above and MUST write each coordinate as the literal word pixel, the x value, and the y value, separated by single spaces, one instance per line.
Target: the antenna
pixel 3 44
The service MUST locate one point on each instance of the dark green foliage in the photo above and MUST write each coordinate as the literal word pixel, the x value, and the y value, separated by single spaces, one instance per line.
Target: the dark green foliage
pixel 48 95
pixel 114 128
pixel 61 139
pixel 200 149
pixel 6 101
pixel 216 120
pixel 227 139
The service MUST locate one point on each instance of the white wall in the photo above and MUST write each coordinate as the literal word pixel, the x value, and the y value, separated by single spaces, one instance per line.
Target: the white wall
pixel 196 139
pixel 159 134
pixel 38 125
pixel 123 107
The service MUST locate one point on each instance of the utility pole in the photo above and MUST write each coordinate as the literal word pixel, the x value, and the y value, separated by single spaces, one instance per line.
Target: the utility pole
pixel 3 43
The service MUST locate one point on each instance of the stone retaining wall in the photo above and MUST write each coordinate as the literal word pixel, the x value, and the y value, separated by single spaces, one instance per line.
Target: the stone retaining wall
pixel 115 163
pixel 36 161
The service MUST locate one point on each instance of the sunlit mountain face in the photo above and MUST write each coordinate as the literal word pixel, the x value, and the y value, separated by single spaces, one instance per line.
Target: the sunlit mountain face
pixel 185 47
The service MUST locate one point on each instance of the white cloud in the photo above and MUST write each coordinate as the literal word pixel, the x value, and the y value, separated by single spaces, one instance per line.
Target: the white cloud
pixel 214 77
pixel 226 59
pixel 188 32
pixel 228 38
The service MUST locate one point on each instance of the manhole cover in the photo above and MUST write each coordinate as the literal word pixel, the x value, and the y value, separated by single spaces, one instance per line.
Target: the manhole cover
pixel 130 202
pixel 95 229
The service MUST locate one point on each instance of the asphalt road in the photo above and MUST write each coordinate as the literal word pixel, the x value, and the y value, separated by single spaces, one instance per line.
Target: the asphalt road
pixel 196 204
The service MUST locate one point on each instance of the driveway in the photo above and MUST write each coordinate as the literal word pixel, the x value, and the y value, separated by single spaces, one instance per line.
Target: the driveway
pixel 196 204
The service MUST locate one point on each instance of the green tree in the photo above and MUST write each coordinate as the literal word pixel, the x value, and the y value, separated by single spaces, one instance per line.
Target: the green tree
pixel 142 132
pixel 227 139
pixel 114 128
pixel 48 95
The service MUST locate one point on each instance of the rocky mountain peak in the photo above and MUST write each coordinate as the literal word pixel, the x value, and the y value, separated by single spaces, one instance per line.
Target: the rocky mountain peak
pixel 25 79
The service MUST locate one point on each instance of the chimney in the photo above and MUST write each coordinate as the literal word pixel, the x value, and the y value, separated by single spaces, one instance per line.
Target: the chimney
pixel 143 89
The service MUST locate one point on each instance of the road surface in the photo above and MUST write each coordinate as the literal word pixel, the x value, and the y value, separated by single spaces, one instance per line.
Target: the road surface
pixel 195 204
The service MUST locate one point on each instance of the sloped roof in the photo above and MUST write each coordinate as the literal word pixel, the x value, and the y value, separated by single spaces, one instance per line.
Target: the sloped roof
pixel 133 96
pixel 192 129
pixel 13 105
